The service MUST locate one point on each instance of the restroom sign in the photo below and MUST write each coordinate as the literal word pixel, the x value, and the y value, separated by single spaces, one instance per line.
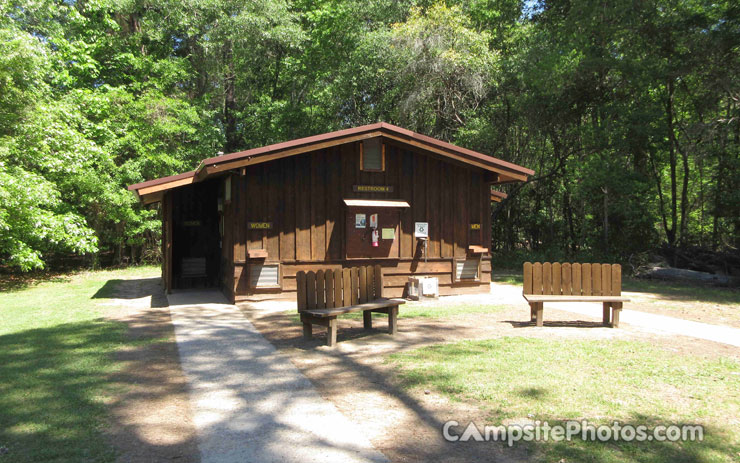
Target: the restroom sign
pixel 372 188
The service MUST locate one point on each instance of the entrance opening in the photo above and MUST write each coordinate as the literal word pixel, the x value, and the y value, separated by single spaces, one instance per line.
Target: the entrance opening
pixel 196 240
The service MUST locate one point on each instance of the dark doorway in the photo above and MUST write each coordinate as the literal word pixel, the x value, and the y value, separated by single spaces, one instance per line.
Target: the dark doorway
pixel 196 240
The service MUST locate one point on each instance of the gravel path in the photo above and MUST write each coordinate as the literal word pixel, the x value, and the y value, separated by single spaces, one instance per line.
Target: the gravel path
pixel 250 403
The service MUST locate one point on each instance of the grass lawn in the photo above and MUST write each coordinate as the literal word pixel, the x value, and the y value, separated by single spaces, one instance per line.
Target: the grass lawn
pixel 55 358
pixel 515 378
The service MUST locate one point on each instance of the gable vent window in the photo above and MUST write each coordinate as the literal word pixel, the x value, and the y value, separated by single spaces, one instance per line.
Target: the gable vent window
pixel 264 275
pixel 467 270
pixel 372 155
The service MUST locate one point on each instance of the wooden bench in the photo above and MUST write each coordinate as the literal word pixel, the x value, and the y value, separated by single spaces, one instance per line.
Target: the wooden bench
pixel 574 283
pixel 326 294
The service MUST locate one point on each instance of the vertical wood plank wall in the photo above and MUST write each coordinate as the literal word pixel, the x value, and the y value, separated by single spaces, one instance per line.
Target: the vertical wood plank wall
pixel 167 241
pixel 228 247
pixel 302 197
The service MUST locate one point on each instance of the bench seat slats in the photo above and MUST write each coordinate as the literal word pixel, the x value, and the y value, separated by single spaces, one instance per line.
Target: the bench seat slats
pixel 382 303
pixel 554 298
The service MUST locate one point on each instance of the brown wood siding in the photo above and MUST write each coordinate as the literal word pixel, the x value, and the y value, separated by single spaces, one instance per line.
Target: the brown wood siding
pixel 334 215
pixel 275 212
pixel 302 175
pixel 434 210
pixel 302 196
pixel 167 241
pixel 288 220
pixel 227 243
pixel 240 236
pixel 318 205
pixel 396 274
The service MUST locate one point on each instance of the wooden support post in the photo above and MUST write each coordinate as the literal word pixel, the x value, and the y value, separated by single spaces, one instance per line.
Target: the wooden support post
pixel 532 311
pixel 307 334
pixel 392 319
pixel 539 314
pixel 367 319
pixel 331 334
pixel 605 317
pixel 616 309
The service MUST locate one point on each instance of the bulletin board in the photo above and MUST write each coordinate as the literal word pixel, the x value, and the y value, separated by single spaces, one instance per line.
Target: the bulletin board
pixel 359 241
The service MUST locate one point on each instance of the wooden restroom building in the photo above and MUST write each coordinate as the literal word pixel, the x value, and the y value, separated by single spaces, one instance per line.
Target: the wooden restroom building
pixel 378 194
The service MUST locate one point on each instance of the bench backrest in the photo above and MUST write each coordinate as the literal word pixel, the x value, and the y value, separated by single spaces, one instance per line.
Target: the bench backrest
pixel 572 279
pixel 329 289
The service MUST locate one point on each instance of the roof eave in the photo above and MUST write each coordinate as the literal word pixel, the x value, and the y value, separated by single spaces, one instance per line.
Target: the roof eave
pixel 506 172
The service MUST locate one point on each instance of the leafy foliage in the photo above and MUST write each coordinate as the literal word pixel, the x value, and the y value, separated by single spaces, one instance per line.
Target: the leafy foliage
pixel 627 112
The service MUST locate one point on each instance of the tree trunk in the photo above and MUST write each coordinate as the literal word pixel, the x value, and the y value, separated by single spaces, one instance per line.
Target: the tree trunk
pixel 606 219
pixel 671 232
pixel 568 213
pixel 232 139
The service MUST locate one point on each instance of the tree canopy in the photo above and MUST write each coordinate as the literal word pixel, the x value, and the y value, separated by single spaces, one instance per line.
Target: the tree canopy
pixel 628 112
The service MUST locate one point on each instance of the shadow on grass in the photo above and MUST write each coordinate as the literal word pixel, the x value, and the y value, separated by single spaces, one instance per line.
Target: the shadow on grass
pixel 112 288
pixel 508 277
pixel 533 392
pixel 64 390
pixel 683 291
pixel 715 444
pixel 133 289
pixel 586 446
pixel 50 381
pixel 10 282
pixel 444 365
pixel 557 324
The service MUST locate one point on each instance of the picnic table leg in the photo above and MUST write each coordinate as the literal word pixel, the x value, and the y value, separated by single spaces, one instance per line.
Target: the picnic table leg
pixel 605 317
pixel 367 319
pixel 539 313
pixel 331 334
pixel 616 309
pixel 392 319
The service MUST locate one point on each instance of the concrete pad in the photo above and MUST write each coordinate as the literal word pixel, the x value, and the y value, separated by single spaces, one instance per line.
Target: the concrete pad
pixel 250 403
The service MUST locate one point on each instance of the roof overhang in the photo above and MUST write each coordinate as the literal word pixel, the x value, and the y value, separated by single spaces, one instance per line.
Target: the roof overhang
pixel 498 196
pixel 153 190
pixel 500 171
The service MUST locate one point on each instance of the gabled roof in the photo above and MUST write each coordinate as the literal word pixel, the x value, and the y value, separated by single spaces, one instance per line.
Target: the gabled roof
pixel 505 171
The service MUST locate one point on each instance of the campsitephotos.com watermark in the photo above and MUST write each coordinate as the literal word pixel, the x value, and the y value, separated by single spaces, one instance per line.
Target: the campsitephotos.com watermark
pixel 569 430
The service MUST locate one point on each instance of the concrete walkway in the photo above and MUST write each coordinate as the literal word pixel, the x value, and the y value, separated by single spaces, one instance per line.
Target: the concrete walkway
pixel 661 324
pixel 250 403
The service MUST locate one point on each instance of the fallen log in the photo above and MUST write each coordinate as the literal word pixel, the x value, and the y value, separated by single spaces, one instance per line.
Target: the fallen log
pixel 679 274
